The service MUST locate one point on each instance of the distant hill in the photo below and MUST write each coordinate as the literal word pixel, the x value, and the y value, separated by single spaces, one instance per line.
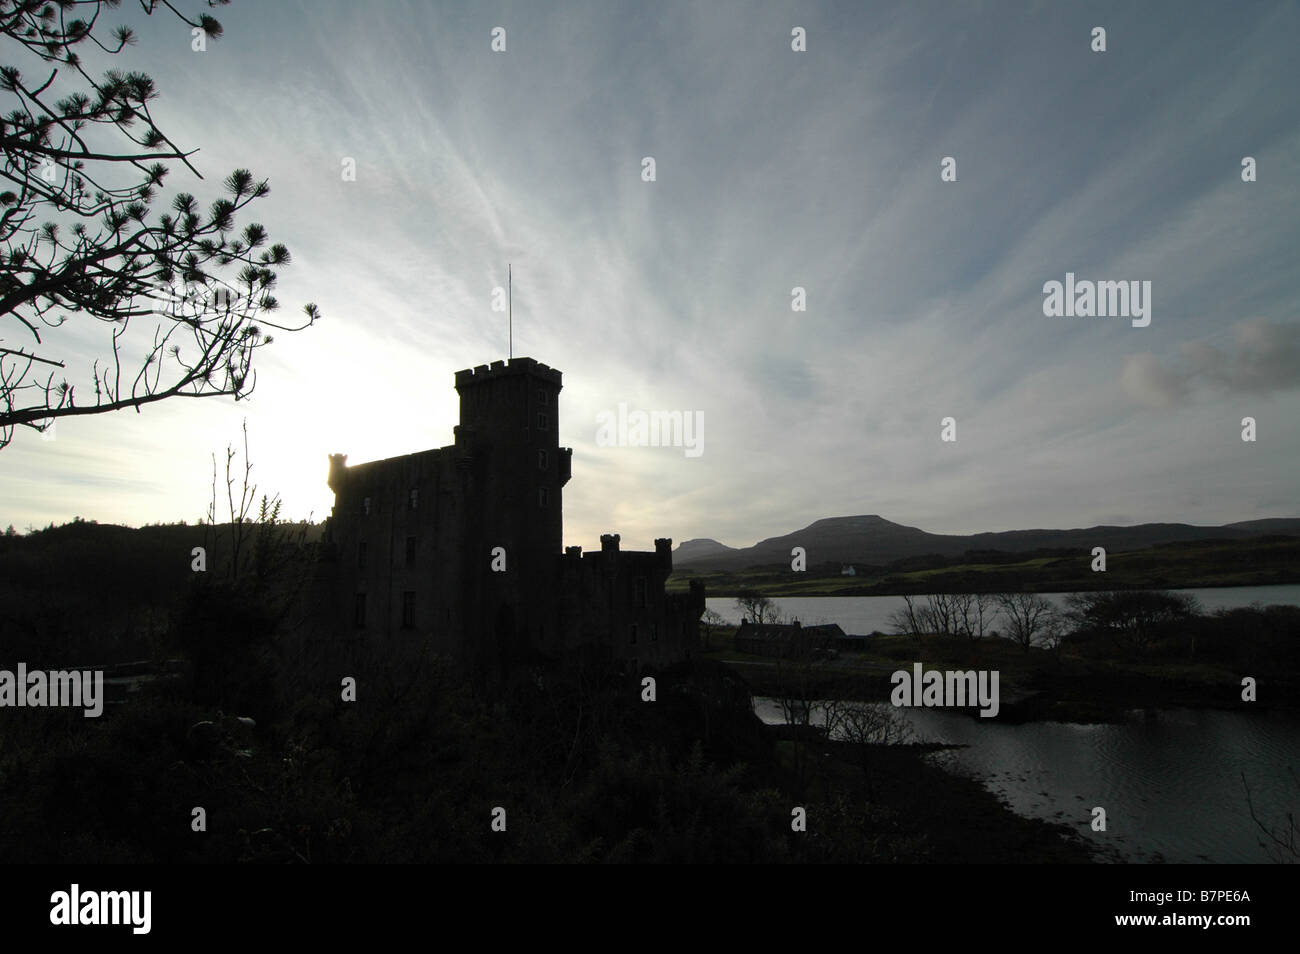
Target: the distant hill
pixel 871 539
pixel 701 548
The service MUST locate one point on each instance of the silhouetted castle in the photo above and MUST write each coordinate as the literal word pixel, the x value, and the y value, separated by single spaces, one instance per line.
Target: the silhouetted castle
pixel 462 545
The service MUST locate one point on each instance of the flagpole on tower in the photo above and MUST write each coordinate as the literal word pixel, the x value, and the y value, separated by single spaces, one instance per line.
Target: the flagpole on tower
pixel 510 305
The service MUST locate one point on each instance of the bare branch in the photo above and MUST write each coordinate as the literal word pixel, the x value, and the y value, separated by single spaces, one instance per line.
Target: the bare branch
pixel 84 240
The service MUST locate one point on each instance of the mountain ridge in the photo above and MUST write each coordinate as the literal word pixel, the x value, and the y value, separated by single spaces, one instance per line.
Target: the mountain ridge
pixel 871 539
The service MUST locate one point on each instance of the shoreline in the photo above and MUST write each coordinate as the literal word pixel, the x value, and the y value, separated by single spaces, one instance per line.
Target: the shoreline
pixel 1083 701
pixel 952 818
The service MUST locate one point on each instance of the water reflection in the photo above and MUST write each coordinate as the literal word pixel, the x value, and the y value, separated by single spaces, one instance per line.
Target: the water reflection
pixel 1170 779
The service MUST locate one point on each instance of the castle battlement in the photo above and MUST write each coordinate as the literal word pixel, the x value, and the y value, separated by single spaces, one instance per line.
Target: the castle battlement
pixel 503 369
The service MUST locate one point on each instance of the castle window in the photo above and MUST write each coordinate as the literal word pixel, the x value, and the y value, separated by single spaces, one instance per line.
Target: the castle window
pixel 542 460
pixel 542 420
pixel 408 609
pixel 410 551
pixel 413 498
pixel 359 610
pixel 365 506
pixel 631 631
pixel 640 591
pixel 543 496
pixel 541 395
pixel 361 553
pixel 654 632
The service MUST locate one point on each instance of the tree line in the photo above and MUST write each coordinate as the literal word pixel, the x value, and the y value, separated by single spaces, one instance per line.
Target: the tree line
pixel 1135 619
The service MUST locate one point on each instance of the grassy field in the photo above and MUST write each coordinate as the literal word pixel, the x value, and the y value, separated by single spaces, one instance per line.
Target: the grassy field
pixel 1255 562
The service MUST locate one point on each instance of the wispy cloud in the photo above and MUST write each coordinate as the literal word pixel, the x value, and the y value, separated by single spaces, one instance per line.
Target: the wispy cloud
pixel 775 169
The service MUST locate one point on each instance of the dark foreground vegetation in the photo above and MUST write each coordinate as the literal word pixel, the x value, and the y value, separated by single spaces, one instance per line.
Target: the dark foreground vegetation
pixel 584 768
pixel 246 720
pixel 412 771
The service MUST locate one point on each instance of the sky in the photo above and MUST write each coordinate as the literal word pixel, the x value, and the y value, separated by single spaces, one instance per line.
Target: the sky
pixel 775 169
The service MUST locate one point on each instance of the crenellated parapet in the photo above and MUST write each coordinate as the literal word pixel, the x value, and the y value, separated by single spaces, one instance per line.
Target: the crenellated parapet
pixel 504 369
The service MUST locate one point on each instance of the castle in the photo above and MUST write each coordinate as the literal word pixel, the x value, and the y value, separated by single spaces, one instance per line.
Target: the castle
pixel 461 546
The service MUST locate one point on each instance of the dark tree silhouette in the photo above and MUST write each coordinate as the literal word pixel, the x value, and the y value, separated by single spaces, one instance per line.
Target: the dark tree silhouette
pixel 83 162
pixel 710 621
pixel 756 607
pixel 1135 618
pixel 1030 618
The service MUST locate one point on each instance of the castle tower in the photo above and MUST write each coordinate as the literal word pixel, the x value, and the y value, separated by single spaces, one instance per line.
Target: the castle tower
pixel 458 550
pixel 512 472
